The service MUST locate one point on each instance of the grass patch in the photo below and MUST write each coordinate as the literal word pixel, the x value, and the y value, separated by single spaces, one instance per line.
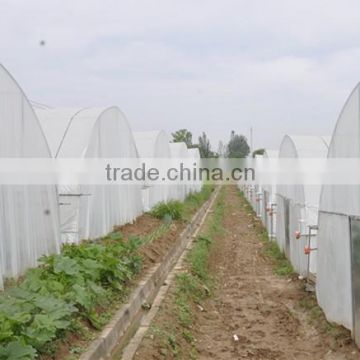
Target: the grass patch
pixel 194 200
pixel 282 266
pixel 177 210
pixel 167 340
pixel 198 258
pixel 173 209
pixel 193 287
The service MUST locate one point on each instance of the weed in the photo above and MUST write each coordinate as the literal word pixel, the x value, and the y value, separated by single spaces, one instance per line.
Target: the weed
pixel 188 336
pixel 282 266
pixel 173 209
pixel 198 258
pixel 167 340
pixel 193 354
pixel 158 232
pixel 195 200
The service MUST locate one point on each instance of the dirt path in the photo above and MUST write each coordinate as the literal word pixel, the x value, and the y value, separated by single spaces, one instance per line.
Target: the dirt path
pixel 253 303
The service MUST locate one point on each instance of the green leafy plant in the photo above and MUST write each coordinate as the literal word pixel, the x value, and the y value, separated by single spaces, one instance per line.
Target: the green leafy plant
pixel 17 350
pixel 80 283
pixel 76 284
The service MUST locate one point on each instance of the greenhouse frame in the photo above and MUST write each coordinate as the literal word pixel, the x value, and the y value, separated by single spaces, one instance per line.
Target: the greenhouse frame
pixel 298 205
pixel 179 153
pixel 153 144
pixel 91 211
pixel 268 198
pixel 195 161
pixel 338 286
pixel 29 223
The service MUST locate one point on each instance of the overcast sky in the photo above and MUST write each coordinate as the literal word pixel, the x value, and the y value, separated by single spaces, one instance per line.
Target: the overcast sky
pixel 278 66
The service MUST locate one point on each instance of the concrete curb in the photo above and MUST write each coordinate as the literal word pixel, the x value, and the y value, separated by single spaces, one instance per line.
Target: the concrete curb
pixel 145 292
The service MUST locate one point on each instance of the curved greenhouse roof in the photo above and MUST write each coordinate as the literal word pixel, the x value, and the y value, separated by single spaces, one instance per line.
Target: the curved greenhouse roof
pixel 270 154
pixel 92 211
pixel 87 132
pixel 345 143
pixel 152 144
pixel 303 146
pixel 29 222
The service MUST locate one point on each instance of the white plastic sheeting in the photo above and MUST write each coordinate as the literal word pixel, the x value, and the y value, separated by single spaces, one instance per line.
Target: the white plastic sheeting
pixel 179 152
pixel 153 144
pixel 269 200
pixel 249 190
pixel 338 203
pixel 195 161
pixel 88 212
pixel 303 203
pixel 258 192
pixel 29 221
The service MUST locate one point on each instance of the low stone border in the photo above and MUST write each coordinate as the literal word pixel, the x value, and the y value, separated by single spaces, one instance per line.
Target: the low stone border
pixel 145 292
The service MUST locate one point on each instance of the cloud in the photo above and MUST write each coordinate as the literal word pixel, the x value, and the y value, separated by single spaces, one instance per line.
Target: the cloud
pixel 279 66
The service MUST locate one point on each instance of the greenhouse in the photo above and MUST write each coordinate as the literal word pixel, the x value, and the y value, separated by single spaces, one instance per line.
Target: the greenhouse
pixel 257 194
pixel 248 189
pixel 195 162
pixel 91 211
pixel 297 206
pixel 29 222
pixel 179 153
pixel 337 286
pixel 153 144
pixel 268 198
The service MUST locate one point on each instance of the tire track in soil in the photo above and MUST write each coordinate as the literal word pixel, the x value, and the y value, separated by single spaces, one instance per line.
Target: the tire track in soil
pixel 253 303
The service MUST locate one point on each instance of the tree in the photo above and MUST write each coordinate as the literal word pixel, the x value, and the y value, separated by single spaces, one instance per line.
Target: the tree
pixel 183 135
pixel 205 146
pixel 237 146
pixel 221 149
pixel 258 152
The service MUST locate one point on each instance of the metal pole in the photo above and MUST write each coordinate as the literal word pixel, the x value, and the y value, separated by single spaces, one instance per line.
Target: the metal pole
pixel 311 227
pixel 308 259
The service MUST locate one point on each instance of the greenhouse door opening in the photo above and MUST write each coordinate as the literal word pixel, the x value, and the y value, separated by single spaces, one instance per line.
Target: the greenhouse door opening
pixel 69 218
pixel 287 227
pixel 355 275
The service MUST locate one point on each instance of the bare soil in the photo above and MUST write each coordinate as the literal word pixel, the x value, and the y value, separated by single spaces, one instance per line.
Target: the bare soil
pixel 262 309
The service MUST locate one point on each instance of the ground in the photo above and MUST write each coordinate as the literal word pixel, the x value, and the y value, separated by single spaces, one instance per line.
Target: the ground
pixel 154 251
pixel 253 312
